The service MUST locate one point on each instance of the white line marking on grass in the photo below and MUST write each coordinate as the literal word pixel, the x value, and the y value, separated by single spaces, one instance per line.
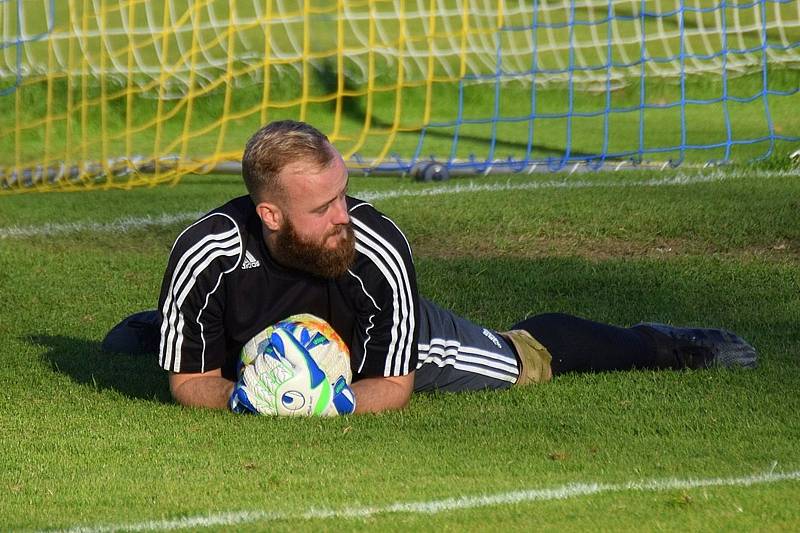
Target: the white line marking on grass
pixel 134 223
pixel 472 186
pixel 120 225
pixel 572 490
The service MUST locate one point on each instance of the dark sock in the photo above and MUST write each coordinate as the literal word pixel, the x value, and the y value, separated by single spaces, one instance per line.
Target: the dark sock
pixel 580 345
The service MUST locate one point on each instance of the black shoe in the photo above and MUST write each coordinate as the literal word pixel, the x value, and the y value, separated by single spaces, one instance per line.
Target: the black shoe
pixel 699 347
pixel 138 334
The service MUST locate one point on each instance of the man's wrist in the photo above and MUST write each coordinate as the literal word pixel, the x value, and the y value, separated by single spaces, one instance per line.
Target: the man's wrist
pixel 238 402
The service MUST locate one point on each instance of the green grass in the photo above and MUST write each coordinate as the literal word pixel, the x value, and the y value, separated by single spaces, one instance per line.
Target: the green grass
pixel 91 439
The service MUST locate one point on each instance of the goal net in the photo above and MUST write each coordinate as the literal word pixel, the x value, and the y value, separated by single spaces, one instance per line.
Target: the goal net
pixel 117 93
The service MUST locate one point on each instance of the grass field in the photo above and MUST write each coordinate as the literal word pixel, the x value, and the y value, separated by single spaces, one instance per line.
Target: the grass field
pixel 91 440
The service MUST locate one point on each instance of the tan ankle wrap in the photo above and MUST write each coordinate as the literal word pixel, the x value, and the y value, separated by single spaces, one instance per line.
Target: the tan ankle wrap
pixel 534 358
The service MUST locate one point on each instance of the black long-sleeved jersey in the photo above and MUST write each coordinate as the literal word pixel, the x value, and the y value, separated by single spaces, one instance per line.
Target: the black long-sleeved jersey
pixel 222 286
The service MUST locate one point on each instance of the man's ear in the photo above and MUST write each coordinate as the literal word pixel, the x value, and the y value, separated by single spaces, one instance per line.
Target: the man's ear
pixel 271 215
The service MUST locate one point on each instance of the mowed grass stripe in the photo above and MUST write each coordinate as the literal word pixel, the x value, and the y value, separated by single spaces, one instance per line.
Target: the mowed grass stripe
pixel 570 490
pixel 131 223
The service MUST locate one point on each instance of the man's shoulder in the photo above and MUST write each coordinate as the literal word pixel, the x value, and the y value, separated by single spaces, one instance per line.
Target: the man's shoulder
pixel 235 213
pixel 239 210
pixel 360 206
pixel 376 230
pixel 224 226
pixel 365 215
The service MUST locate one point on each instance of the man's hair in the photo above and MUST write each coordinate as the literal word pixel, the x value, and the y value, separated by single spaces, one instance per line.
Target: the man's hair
pixel 277 145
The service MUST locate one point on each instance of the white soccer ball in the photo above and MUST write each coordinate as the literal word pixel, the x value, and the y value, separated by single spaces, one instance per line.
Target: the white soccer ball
pixel 324 345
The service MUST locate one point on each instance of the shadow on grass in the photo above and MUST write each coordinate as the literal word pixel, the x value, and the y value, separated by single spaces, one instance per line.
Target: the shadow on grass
pixel 133 376
pixel 689 291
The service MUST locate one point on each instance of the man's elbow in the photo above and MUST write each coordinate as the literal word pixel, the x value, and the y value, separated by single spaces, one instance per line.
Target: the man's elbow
pixel 208 390
pixel 403 399
pixel 397 402
pixel 374 395
pixel 180 394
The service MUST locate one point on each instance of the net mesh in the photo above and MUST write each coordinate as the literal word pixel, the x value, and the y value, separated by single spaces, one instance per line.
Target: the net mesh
pixel 127 92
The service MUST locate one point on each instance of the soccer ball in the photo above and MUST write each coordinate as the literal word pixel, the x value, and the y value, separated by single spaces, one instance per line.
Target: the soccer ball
pixel 324 345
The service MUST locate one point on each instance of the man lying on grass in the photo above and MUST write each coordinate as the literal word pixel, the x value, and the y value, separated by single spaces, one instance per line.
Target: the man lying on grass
pixel 299 244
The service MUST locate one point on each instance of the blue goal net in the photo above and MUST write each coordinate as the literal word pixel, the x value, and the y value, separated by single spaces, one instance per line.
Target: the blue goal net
pixel 117 93
pixel 604 83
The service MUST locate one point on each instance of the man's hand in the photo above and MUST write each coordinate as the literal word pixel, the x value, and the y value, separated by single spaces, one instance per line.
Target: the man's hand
pixel 286 381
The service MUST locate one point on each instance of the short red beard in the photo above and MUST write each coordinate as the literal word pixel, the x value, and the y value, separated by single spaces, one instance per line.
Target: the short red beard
pixel 314 257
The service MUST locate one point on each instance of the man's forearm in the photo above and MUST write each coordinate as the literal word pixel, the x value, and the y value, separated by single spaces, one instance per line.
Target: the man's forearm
pixel 382 394
pixel 213 391
pixel 202 391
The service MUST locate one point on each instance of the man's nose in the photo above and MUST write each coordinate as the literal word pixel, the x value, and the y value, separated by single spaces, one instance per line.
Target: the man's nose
pixel 341 216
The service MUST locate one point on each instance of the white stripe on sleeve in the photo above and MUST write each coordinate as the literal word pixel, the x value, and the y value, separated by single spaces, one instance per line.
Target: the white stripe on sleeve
pixel 390 263
pixel 189 267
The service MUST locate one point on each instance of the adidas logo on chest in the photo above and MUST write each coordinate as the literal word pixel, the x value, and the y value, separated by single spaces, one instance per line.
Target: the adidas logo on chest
pixel 250 261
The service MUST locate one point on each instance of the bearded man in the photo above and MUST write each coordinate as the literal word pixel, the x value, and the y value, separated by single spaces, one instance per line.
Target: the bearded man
pixel 297 243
